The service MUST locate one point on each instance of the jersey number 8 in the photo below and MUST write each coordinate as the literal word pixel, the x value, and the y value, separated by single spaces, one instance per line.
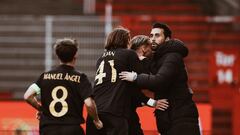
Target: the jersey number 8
pixel 61 100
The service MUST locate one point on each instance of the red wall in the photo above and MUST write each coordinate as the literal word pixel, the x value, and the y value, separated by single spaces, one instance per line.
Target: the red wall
pixel 19 115
pixel 236 114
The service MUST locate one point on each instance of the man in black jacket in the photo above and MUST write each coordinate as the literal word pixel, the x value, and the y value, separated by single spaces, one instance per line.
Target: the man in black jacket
pixel 169 80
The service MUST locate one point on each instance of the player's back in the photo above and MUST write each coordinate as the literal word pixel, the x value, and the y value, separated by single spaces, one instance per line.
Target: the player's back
pixel 63 91
pixel 112 95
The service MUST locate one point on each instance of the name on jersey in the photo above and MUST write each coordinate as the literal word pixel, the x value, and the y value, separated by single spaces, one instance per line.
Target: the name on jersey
pixel 108 53
pixel 61 76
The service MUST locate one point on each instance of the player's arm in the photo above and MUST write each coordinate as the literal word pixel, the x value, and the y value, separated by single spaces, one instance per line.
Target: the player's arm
pixel 143 99
pixel 92 111
pixel 160 104
pixel 166 73
pixel 30 96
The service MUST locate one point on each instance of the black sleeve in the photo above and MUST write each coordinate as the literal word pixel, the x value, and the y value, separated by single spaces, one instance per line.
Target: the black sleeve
pixel 85 89
pixel 39 80
pixel 141 97
pixel 138 98
pixel 165 74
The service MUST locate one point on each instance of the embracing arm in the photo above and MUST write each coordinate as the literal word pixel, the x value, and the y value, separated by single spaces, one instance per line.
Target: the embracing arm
pixel 165 75
pixel 144 97
pixel 161 104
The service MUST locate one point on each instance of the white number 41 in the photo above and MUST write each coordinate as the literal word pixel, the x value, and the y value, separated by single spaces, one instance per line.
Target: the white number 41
pixel 100 74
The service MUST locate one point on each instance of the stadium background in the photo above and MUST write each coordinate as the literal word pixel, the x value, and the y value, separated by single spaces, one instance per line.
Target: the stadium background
pixel 210 28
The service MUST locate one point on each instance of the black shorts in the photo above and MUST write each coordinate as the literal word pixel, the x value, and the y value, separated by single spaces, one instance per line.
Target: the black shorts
pixel 112 125
pixel 62 130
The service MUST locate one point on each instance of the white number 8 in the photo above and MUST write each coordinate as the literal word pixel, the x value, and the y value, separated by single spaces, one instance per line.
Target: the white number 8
pixel 64 109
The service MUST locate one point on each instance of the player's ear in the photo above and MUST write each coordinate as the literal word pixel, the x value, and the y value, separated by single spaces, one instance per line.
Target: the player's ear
pixel 74 58
pixel 142 48
pixel 167 39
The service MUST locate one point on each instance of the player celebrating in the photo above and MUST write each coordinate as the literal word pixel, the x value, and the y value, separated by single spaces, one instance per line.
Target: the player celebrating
pixel 112 95
pixel 142 46
pixel 63 92
pixel 169 80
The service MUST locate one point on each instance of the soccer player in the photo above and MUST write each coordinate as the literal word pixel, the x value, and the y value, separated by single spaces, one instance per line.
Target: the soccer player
pixel 63 92
pixel 169 80
pixel 112 95
pixel 142 46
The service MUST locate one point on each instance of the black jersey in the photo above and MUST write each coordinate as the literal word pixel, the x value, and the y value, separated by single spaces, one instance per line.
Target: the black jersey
pixel 63 91
pixel 112 95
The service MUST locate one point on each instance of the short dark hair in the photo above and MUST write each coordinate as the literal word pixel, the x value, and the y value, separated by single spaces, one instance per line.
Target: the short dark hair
pixel 138 41
pixel 66 49
pixel 167 31
pixel 118 38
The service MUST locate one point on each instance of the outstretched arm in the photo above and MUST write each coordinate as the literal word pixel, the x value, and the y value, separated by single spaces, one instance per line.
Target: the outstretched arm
pixel 92 111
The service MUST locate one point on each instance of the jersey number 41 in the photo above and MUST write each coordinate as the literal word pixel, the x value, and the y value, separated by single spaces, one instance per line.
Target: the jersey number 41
pixel 100 74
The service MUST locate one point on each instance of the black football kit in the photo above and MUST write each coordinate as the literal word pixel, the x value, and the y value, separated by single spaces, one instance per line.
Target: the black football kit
pixel 63 91
pixel 112 95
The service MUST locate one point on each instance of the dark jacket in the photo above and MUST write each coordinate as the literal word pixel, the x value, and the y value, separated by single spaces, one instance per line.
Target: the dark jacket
pixel 169 80
pixel 168 71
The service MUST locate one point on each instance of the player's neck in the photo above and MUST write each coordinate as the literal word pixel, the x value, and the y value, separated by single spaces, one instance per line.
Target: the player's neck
pixel 72 64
